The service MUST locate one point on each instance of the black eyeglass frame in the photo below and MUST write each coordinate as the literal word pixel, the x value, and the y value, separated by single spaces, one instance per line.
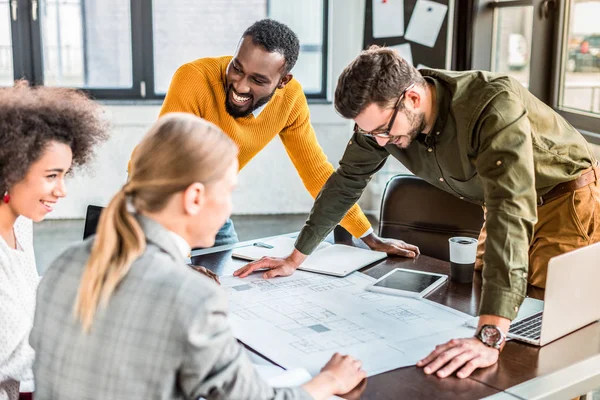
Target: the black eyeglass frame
pixel 386 133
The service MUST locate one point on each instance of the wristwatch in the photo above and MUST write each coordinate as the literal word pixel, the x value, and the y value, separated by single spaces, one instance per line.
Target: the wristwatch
pixel 492 336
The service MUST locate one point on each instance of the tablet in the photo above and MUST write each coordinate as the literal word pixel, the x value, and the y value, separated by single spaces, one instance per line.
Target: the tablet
pixel 407 282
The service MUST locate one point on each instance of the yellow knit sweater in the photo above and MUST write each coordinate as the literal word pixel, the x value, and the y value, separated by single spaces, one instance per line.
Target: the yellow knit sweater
pixel 198 88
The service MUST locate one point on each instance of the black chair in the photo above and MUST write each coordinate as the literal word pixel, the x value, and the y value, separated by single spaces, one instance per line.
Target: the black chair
pixel 92 217
pixel 421 214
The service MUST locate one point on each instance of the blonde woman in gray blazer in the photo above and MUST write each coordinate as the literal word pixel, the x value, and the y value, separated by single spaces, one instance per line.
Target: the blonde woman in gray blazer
pixel 121 315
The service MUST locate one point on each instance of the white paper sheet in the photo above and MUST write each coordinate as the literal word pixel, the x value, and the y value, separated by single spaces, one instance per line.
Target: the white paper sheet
pixel 277 377
pixel 257 359
pixel 327 258
pixel 230 266
pixel 405 52
pixel 425 22
pixel 301 320
pixel 388 18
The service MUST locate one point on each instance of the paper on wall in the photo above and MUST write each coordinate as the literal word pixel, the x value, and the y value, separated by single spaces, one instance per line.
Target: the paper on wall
pixel 388 18
pixel 425 23
pixel 405 52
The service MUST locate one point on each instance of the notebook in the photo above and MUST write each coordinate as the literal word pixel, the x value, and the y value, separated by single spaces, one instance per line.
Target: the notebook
pixel 330 259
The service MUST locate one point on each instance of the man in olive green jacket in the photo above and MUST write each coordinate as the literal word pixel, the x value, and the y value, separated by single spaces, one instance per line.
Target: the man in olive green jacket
pixel 481 137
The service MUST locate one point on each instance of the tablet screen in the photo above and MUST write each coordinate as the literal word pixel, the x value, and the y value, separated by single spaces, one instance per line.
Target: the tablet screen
pixel 408 281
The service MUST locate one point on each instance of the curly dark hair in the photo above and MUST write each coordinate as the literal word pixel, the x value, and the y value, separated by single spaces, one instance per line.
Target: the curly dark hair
pixel 378 75
pixel 274 36
pixel 33 117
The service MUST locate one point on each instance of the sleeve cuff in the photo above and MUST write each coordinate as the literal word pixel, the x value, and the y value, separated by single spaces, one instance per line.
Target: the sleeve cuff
pixel 307 241
pixel 27 386
pixel 367 233
pixel 355 222
pixel 303 394
pixel 502 303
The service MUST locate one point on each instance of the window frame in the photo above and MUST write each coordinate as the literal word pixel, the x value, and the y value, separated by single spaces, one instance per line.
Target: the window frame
pixel 20 36
pixel 549 32
pixel 588 123
pixel 321 94
pixel 28 53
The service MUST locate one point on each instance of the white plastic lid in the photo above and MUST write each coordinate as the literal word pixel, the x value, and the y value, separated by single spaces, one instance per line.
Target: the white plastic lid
pixel 463 249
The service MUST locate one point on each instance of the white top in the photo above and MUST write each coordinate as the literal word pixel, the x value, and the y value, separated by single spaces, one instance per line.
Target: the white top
pixel 182 245
pixel 18 284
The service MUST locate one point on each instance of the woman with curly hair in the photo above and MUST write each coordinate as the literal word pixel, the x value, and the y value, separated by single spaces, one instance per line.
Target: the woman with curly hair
pixel 43 133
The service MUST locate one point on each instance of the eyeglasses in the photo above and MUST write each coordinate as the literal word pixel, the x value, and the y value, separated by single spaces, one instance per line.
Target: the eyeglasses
pixel 386 132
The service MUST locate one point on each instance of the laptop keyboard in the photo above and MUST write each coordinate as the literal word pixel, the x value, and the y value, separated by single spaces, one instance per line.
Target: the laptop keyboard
pixel 530 327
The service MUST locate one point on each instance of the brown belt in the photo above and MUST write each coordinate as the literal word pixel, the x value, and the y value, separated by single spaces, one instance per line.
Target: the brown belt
pixel 588 177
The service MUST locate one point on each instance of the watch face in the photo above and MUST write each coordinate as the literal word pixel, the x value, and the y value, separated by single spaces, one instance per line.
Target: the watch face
pixel 491 335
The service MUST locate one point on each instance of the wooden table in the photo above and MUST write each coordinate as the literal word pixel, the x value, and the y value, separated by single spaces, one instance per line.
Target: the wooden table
pixel 519 363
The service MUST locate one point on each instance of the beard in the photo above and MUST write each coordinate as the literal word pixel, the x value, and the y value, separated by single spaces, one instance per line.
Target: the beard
pixel 417 123
pixel 237 112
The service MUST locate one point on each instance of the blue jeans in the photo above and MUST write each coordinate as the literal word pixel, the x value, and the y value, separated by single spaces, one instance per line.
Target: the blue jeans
pixel 226 234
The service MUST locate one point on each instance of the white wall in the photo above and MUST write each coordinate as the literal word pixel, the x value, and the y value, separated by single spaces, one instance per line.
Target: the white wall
pixel 269 184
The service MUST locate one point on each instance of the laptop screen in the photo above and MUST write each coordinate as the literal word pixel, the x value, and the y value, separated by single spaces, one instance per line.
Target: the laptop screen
pixel 92 217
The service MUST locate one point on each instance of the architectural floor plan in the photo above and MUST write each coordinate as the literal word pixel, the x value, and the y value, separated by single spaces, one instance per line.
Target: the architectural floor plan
pixel 300 321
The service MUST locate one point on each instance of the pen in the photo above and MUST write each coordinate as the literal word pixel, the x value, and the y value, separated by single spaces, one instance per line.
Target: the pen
pixel 263 244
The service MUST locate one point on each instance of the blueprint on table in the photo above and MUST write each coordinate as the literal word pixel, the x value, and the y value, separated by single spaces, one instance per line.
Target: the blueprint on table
pixel 301 320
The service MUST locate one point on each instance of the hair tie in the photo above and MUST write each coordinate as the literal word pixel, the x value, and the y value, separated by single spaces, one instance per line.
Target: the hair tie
pixel 129 204
pixel 128 188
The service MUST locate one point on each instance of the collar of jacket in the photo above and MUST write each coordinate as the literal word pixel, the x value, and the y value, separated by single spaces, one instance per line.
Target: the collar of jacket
pixel 159 236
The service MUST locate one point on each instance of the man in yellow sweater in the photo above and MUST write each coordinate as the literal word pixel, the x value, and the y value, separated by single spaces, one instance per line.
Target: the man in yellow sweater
pixel 253 98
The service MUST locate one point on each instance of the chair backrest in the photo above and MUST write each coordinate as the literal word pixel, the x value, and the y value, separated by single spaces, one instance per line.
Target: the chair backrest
pixel 92 217
pixel 421 214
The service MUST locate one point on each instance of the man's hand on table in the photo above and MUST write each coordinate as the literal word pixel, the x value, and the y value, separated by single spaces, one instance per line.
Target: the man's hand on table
pixel 286 266
pixel 393 247
pixel 468 353
pixel 464 355
pixel 276 266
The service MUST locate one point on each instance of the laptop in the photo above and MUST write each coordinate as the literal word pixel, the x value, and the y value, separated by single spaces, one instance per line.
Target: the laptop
pixel 92 217
pixel 570 301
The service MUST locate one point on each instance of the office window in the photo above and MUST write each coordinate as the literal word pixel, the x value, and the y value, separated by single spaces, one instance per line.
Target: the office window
pixel 86 43
pixel 511 49
pixel 6 50
pixel 184 31
pixel 509 39
pixel 552 47
pixel 119 49
pixel 580 66
pixel 306 19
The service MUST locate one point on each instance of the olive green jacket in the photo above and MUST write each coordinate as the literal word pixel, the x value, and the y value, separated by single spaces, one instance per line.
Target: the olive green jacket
pixel 493 143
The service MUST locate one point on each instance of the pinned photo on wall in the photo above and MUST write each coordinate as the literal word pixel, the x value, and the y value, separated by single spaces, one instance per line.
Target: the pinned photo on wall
pixel 388 18
pixel 405 51
pixel 425 22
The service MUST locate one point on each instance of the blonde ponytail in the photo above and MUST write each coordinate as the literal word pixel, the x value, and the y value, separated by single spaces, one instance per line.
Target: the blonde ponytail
pixel 119 241
pixel 179 150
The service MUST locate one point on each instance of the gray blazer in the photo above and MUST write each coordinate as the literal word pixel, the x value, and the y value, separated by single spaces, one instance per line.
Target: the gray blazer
pixel 163 335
